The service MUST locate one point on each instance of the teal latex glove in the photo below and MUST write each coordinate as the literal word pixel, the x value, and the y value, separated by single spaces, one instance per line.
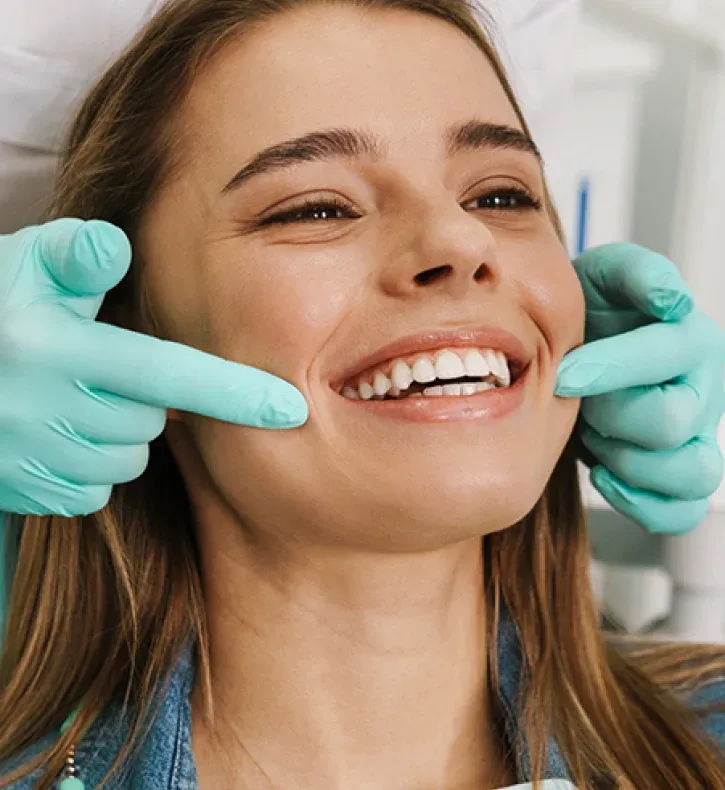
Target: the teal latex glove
pixel 80 400
pixel 652 375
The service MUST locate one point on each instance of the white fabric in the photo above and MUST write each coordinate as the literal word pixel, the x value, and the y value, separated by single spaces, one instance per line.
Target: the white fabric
pixel 536 40
pixel 51 50
pixel 547 784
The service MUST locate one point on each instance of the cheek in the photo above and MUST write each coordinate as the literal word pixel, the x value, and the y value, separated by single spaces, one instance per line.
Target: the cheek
pixel 551 293
pixel 272 308
pixel 558 306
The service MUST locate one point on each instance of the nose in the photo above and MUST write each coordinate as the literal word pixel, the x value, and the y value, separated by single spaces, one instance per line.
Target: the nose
pixel 445 250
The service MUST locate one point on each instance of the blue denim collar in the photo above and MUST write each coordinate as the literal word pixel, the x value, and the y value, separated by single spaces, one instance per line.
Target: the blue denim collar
pixel 512 687
pixel 164 758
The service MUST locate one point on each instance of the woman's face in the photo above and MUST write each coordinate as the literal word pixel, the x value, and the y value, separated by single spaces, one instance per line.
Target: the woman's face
pixel 408 220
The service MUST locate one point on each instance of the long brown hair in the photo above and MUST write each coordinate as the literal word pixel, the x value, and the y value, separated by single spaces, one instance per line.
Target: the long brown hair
pixel 101 606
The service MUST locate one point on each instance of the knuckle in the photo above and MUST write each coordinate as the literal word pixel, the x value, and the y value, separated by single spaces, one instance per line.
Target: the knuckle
pixel 672 426
pixel 127 462
pixel 673 433
pixel 707 469
pixel 95 499
pixel 156 422
pixel 691 517
pixel 139 459
pixel 649 418
pixel 142 423
pixel 706 333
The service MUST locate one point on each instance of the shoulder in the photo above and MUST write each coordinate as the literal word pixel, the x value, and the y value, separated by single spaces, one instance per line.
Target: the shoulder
pixel 29 755
pixel 708 702
pixel 163 758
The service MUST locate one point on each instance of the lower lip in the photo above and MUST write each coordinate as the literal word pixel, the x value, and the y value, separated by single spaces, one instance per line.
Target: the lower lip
pixel 490 405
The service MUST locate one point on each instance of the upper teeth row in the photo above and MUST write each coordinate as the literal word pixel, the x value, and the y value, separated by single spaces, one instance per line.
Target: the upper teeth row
pixel 447 363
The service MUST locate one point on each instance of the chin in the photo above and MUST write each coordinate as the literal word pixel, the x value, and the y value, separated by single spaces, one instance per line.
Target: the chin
pixel 440 508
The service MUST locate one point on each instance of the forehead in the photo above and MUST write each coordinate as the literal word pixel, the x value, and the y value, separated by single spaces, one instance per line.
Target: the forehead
pixel 401 75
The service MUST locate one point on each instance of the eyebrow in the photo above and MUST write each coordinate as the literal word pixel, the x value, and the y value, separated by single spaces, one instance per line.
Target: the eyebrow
pixel 476 135
pixel 321 146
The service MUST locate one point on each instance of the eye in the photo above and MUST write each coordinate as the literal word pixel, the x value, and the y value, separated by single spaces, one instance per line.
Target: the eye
pixel 312 211
pixel 510 199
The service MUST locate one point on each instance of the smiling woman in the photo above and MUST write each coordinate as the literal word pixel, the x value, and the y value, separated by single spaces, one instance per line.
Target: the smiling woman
pixel 395 595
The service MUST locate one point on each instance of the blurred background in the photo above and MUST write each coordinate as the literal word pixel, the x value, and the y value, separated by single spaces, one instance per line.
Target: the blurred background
pixel 643 160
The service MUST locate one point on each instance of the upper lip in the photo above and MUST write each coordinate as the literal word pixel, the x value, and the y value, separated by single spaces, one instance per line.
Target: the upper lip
pixel 434 339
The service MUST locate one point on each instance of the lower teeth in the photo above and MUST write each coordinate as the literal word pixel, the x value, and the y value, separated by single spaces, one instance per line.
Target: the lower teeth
pixel 445 390
pixel 449 390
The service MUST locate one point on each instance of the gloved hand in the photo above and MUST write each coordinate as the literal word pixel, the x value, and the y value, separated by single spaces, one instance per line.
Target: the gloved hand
pixel 652 377
pixel 80 400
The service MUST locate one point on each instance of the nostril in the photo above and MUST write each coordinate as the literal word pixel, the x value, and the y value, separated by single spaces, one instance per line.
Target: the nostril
pixel 437 273
pixel 481 273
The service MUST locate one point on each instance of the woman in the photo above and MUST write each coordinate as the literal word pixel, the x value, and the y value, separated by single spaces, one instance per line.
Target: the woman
pixel 353 187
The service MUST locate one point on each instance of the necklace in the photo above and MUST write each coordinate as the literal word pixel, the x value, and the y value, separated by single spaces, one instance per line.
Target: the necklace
pixel 70 780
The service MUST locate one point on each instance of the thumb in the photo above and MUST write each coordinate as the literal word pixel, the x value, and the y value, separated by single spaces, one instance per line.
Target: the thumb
pixel 84 258
pixel 634 278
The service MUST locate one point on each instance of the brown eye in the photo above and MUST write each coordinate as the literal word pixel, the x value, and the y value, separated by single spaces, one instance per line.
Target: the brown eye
pixel 505 200
pixel 315 211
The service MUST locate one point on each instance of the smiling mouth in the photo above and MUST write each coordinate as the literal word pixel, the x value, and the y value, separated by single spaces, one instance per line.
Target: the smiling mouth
pixel 447 372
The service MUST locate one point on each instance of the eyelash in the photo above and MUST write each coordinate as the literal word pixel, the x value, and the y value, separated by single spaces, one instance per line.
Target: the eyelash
pixel 303 213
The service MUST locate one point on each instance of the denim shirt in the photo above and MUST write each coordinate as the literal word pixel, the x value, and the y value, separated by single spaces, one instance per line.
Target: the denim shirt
pixel 164 760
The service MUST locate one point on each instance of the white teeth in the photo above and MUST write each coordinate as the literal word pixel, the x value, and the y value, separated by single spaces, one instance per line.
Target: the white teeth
pixel 475 364
pixel 491 361
pixel 381 384
pixel 458 389
pixel 503 374
pixel 366 391
pixel 423 370
pixel 499 366
pixel 484 364
pixel 449 366
pixel 401 375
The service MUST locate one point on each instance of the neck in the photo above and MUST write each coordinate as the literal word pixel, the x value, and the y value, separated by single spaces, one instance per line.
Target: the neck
pixel 330 669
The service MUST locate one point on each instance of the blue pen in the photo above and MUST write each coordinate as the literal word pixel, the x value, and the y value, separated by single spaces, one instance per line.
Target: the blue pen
pixel 583 219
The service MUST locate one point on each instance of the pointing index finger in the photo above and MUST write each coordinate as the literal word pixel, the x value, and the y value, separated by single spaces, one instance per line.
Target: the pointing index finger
pixel 650 355
pixel 174 376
